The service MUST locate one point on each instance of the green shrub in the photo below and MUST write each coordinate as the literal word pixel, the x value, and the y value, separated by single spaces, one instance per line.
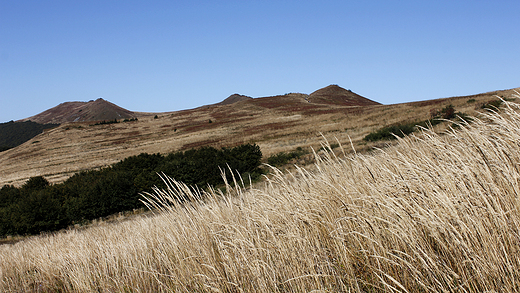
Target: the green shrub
pixel 283 158
pixel 389 132
pixel 332 146
pixel 400 130
pixel 448 112
pixel 104 122
pixel 492 105
pixel 36 183
pixel 38 206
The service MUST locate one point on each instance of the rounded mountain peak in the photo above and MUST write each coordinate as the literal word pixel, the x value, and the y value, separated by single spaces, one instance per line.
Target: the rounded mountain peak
pixel 334 94
pixel 234 98
pixel 97 110
pixel 332 89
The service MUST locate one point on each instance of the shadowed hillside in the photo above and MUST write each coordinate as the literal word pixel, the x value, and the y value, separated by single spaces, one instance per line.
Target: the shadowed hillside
pixel 13 134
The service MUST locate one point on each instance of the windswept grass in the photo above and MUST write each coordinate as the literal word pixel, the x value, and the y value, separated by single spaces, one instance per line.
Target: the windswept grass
pixel 437 213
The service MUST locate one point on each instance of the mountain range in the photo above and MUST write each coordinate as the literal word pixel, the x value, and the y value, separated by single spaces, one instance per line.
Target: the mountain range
pixel 102 110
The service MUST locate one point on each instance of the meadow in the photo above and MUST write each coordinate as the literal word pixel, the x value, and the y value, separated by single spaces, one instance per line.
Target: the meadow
pixel 435 213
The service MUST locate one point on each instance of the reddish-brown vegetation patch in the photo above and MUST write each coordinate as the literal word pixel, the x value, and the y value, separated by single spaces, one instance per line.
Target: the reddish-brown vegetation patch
pixel 132 133
pixel 275 102
pixel 202 143
pixel 119 141
pixel 229 115
pixel 25 154
pixel 202 126
pixel 269 127
pixel 301 108
pixel 428 103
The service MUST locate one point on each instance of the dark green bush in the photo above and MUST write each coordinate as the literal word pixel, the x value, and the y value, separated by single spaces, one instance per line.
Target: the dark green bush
pixel 38 206
pixel 448 112
pixel 492 105
pixel 104 122
pixel 332 146
pixel 36 183
pixel 389 132
pixel 401 130
pixel 283 158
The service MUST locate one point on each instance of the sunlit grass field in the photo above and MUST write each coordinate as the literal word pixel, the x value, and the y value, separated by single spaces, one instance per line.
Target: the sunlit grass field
pixel 436 213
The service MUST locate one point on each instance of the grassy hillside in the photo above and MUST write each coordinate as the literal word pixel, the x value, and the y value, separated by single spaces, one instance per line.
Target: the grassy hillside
pixel 436 213
pixel 277 124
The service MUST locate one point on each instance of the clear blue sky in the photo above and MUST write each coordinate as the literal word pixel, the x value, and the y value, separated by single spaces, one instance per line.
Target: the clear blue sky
pixel 161 56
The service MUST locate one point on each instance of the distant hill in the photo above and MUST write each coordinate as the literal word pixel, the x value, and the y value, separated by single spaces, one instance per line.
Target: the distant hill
pixel 233 99
pixel 336 95
pixel 97 110
pixel 13 134
pixel 317 102
pixel 329 95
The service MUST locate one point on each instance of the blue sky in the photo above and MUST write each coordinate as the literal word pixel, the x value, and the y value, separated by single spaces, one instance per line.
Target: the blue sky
pixel 159 56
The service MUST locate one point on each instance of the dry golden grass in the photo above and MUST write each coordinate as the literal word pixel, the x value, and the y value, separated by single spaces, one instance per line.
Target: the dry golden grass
pixel 436 213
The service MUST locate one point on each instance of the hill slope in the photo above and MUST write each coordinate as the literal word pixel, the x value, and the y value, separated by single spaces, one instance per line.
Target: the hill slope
pixel 97 110
pixel 277 124
pixel 434 214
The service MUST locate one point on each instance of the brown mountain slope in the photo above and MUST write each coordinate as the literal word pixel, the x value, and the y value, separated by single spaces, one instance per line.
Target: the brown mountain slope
pixel 325 100
pixel 276 124
pixel 233 99
pixel 336 95
pixel 97 110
